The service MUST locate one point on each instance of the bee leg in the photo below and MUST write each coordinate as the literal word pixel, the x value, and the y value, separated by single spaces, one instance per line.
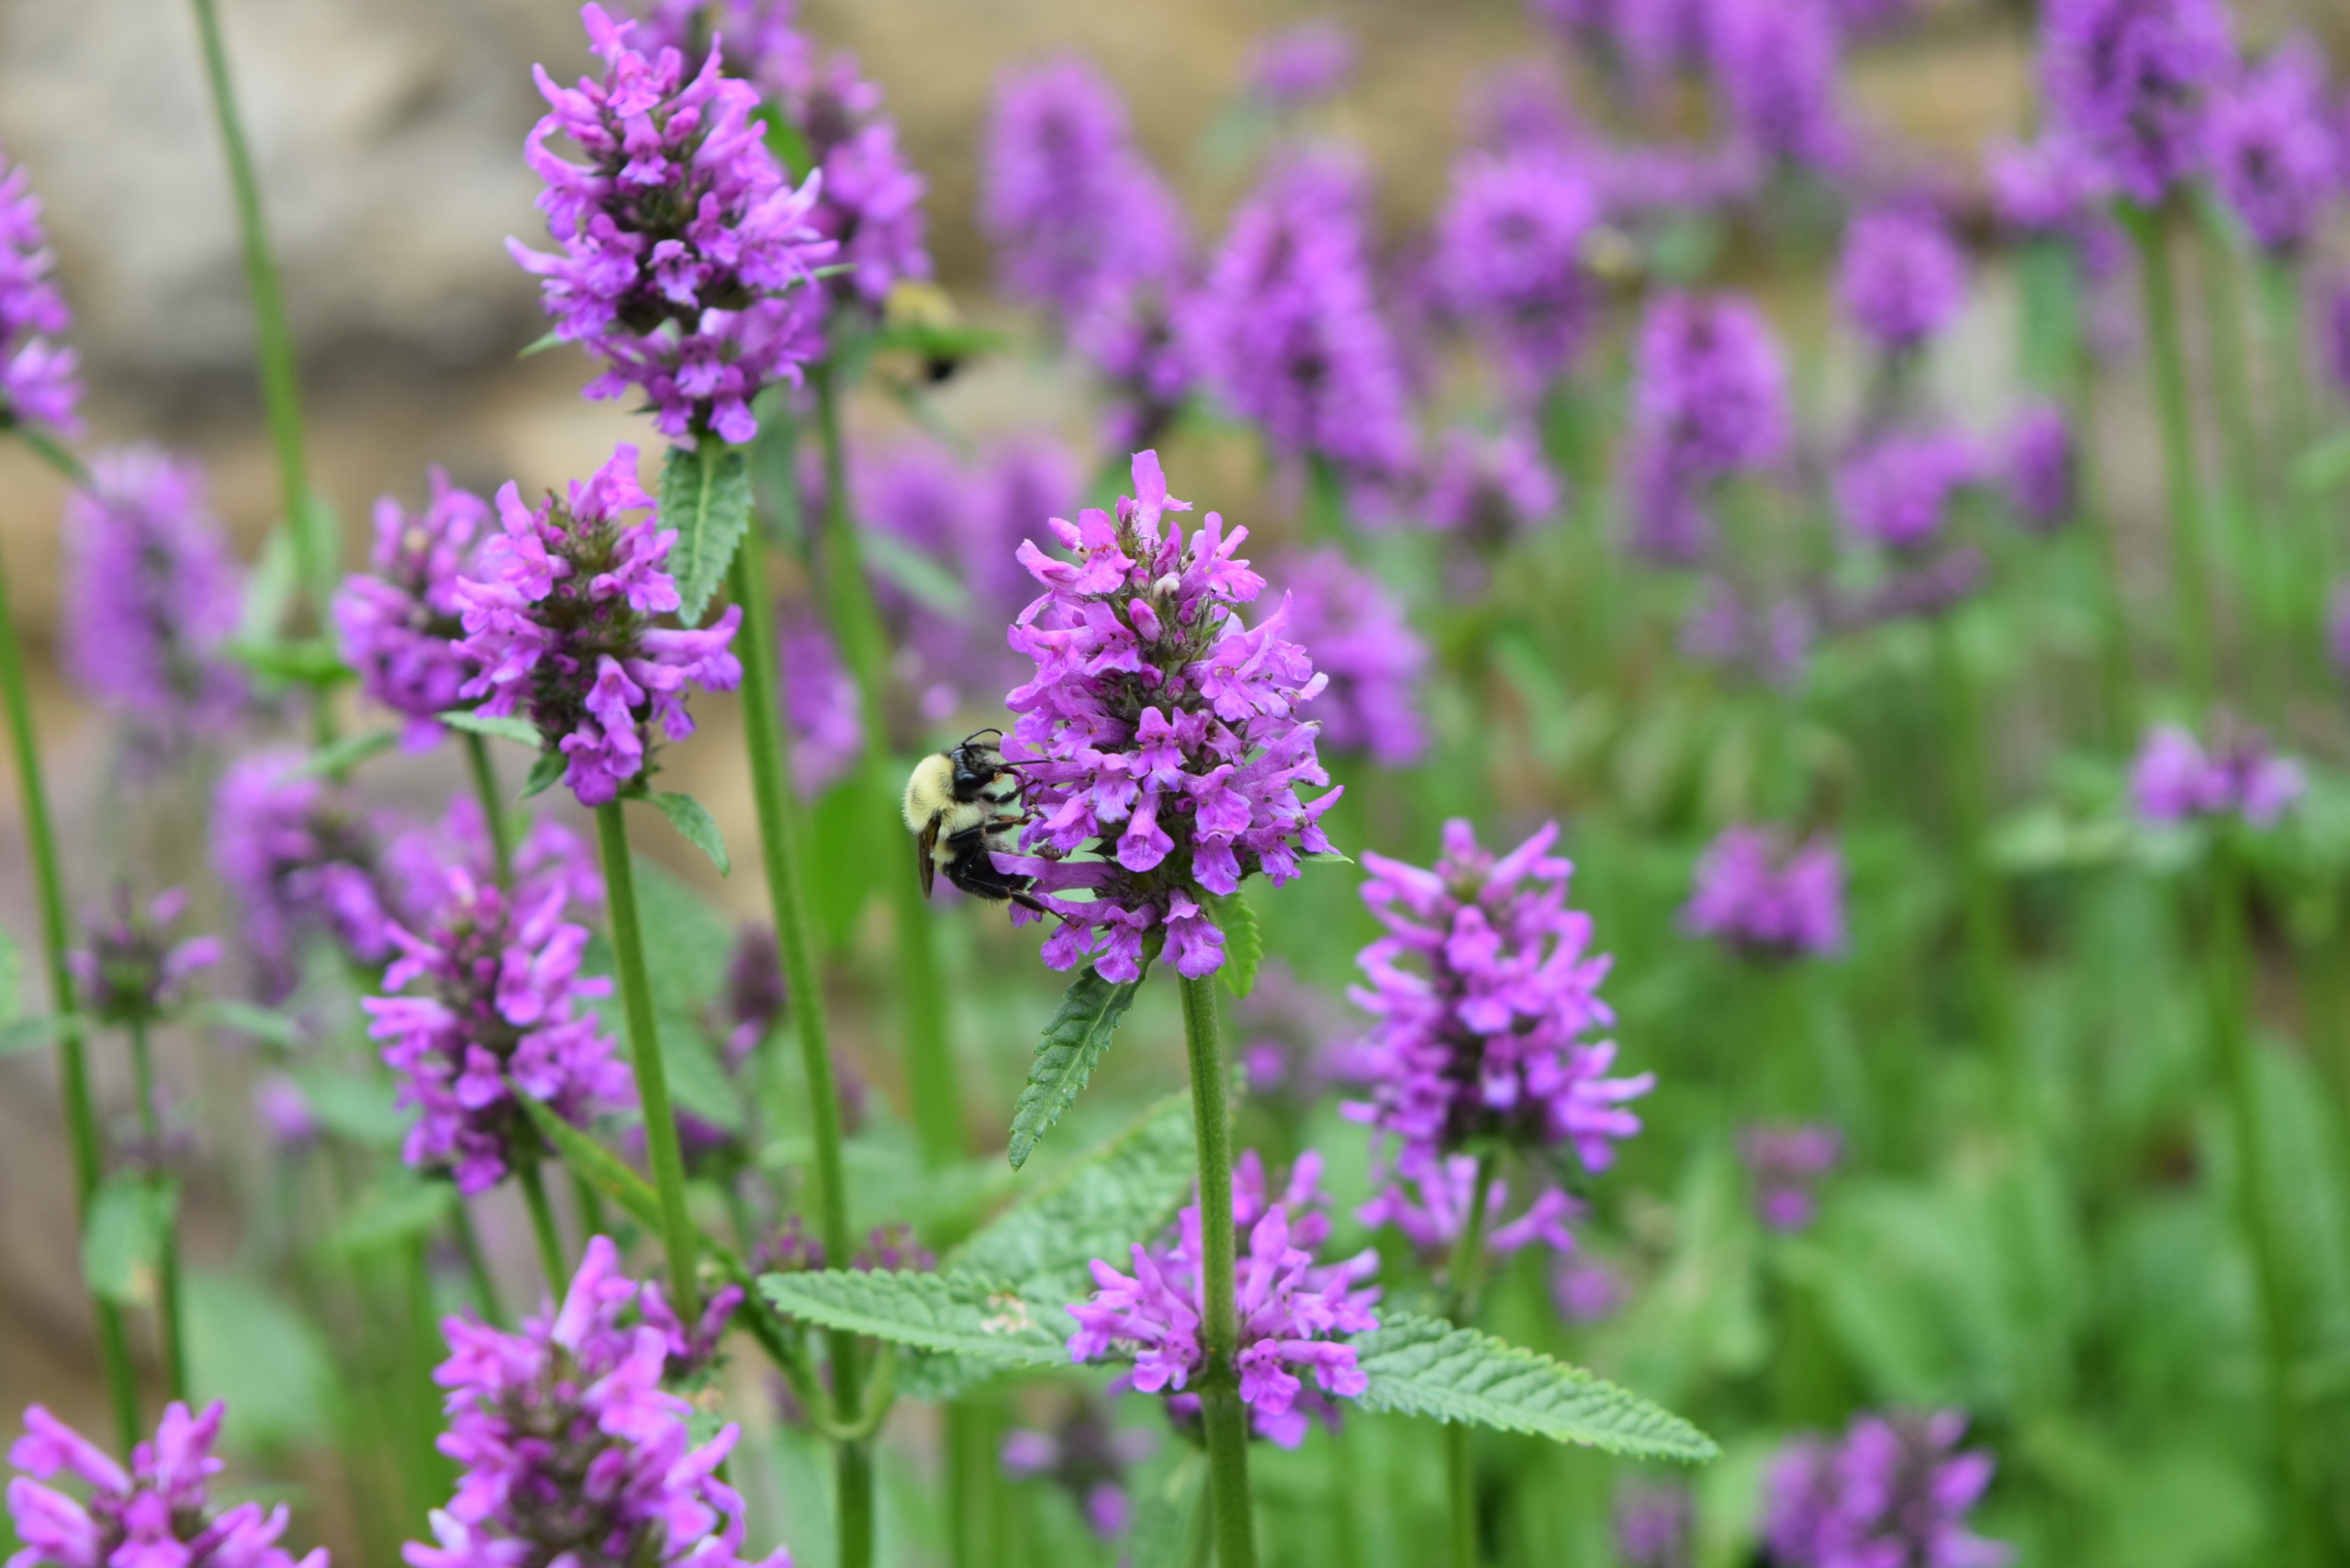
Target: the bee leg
pixel 1029 901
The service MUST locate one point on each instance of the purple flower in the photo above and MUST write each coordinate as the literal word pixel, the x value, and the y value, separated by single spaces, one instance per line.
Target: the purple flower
pixel 678 238
pixel 1586 1290
pixel 1286 1029
pixel 1655 1525
pixel 284 1111
pixel 1482 989
pixel 1357 633
pixel 1301 64
pixel 400 622
pixel 1895 1491
pixel 1521 106
pixel 2048 187
pixel 1291 1308
pixel 892 1247
pixel 2127 80
pixel 1788 1163
pixel 1896 490
pixel 1490 489
pixel 496 1019
pixel 156 1514
pixel 1902 278
pixel 1509 258
pixel 300 857
pixel 1918 586
pixel 2043 476
pixel 37 380
pixel 1431 1211
pixel 558 613
pixel 1286 329
pixel 2175 778
pixel 820 698
pixel 1649 39
pixel 1086 1457
pixel 1072 206
pixel 1771 644
pixel 1766 900
pixel 1159 730
pixel 152 600
pixel 572 1450
pixel 1776 64
pixel 131 972
pixel 2273 150
pixel 1709 401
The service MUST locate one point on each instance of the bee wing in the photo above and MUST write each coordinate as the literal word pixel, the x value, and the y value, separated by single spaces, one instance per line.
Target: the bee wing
pixel 926 842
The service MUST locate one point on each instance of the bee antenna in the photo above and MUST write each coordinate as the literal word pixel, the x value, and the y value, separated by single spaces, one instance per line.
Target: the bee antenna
pixel 975 735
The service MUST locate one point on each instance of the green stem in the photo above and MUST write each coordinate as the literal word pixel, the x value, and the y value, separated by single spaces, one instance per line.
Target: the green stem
pixel 1462 1279
pixel 485 1286
pixel 2309 555
pixel 167 1305
pixel 1224 1417
pixel 493 806
pixel 662 1150
pixel 280 390
pixel 534 1194
pixel 2248 516
pixel 54 452
pixel 2189 572
pixel 856 622
pixel 1983 909
pixel 73 1069
pixel 590 1206
pixel 853 1470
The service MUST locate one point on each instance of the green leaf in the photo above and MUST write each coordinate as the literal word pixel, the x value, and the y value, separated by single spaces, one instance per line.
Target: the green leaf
pixel 247 1018
pixel 343 756
pixel 1124 1191
pixel 685 941
pixel 122 1244
pixel 706 497
pixel 1419 1366
pixel 599 1166
pixel 2323 467
pixel 544 773
pixel 397 1209
pixel 269 588
pixel 32 1034
pixel 247 1347
pixel 924 581
pixel 1244 944
pixel 312 661
pixel 1073 1042
pixel 1170 1514
pixel 504 726
pixel 690 817
pixel 1327 858
pixel 540 344
pixel 956 1314
pixel 358 1108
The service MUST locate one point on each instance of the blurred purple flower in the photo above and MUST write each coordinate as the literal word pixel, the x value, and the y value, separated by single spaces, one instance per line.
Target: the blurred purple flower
pixel 1356 633
pixel 1902 277
pixel 36 379
pixel 1772 645
pixel 152 597
pixel 1086 1457
pixel 1897 488
pixel 157 1514
pixel 1655 1525
pixel 2175 778
pixel 1301 64
pixel 1509 257
pixel 1586 1290
pixel 1287 1031
pixel 2276 155
pixel 1431 1211
pixel 131 972
pixel 1521 106
pixel 1709 401
pixel 284 1112
pixel 1915 586
pixel 2127 81
pixel 1896 1490
pixel 2048 187
pixel 1788 1162
pixel 1766 900
pixel 299 856
pixel 558 613
pixel 1488 490
pixel 820 698
pixel 399 622
pixel 890 1249
pixel 2044 474
pixel 1778 64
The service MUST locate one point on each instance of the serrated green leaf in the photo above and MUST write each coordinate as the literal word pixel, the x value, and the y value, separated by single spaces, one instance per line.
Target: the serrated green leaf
pixel 958 1313
pixel 599 1166
pixel 544 773
pixel 398 1208
pixel 1073 1042
pixel 1420 1366
pixel 358 1108
pixel 685 941
pixel 249 1018
pixel 924 581
pixel 503 726
pixel 343 756
pixel 691 818
pixel 706 497
pixel 1244 944
pixel 1124 1191
pixel 122 1243
pixel 934 1377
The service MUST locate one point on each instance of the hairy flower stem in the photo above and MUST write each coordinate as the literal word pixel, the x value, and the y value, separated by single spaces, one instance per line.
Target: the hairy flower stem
pixel 493 807
pixel 280 390
pixel 2189 572
pixel 1462 1279
pixel 550 1240
pixel 72 1069
pixel 662 1152
pixel 485 1286
pixel 777 805
pixel 1982 908
pixel 167 1257
pixel 1226 1419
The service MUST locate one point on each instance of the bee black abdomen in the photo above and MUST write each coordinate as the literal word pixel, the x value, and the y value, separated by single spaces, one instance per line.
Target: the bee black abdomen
pixel 972 868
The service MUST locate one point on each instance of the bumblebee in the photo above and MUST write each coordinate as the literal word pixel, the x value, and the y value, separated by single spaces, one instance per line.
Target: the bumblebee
pixel 962 806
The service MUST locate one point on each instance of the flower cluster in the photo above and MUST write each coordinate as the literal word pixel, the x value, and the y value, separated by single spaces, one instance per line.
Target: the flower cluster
pixel 2175 779
pixel 1158 730
pixel 1902 278
pixel 37 380
pixel 299 856
pixel 558 618
pixel 152 594
pixel 1655 1525
pixel 1484 1036
pixel 870 203
pixel 1286 1031
pixel 1787 1163
pixel 1897 1490
pixel 2043 470
pixel 1897 487
pixel 131 971
pixel 399 620
pixel 1290 1307
pixel 2128 80
pixel 573 1451
pixel 1358 635
pixel 1087 1458
pixel 1430 1210
pixel 1302 65
pixel 1488 490
pixel 1768 901
pixel 820 698
pixel 681 245
pixel 1778 64
pixel 1728 630
pixel 156 1514
pixel 1709 401
pixel 1509 258
pixel 498 1018
pixel 2274 149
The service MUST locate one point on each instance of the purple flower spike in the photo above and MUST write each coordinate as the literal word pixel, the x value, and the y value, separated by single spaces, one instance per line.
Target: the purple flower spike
pixel 1291 1309
pixel 2174 779
pixel 1491 489
pixel 1767 900
pixel 399 622
pixel 2127 80
pixel 152 593
pixel 2274 150
pixel 1158 730
pixel 131 972
pixel 1902 278
pixel 820 698
pixel 1896 490
pixel 572 1450
pixel 1655 1525
pixel 497 1018
pixel 1087 1458
pixel 559 615
pixel 686 260
pixel 37 380
pixel 300 857
pixel 156 1514
pixel 1777 65
pixel 2043 473
pixel 1482 1035
pixel 1768 643
pixel 1509 257
pixel 1709 401
pixel 1896 1490
pixel 1431 1210
pixel 1788 1162
pixel 1302 64
pixel 1356 633
pixel 2050 187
